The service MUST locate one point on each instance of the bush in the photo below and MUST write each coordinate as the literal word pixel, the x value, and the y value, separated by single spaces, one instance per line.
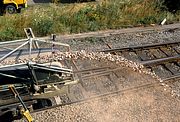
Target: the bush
pixel 9 34
pixel 77 18
pixel 43 26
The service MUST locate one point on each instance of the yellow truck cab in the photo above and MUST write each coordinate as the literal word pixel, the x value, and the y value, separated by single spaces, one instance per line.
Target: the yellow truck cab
pixel 12 6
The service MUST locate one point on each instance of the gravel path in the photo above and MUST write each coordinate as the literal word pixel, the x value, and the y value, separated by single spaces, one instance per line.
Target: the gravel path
pixel 145 105
pixel 123 40
pixel 32 2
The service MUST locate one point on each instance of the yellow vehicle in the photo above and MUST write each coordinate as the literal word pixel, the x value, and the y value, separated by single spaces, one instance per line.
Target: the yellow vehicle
pixel 12 6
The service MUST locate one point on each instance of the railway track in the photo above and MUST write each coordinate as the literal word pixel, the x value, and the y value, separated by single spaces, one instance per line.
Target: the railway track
pixel 108 72
pixel 100 74
pixel 97 82
pixel 99 77
pixel 163 59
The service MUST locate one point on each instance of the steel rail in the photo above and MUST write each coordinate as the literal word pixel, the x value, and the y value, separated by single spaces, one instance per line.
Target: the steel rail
pixel 57 92
pixel 160 61
pixel 91 69
pixel 97 74
pixel 153 62
pixel 150 46
pixel 174 77
pixel 149 85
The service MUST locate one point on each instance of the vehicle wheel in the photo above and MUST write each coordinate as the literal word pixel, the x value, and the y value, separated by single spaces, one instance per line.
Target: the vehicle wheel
pixel 10 9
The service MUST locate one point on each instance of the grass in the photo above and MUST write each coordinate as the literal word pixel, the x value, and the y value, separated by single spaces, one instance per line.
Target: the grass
pixel 84 17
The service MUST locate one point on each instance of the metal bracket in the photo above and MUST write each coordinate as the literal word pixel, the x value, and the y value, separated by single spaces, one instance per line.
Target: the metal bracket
pixel 30 36
pixel 29 33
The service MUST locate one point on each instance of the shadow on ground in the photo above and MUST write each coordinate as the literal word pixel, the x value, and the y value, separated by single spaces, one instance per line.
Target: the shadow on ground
pixel 172 5
pixel 61 1
pixel 41 1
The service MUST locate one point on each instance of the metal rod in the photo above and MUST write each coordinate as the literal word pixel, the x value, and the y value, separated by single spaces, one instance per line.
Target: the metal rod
pixel 12 76
pixel 10 42
pixel 56 43
pixel 100 73
pixel 32 72
pixel 25 112
pixel 14 91
pixel 91 69
pixel 36 44
pixel 30 47
pixel 55 69
pixel 4 57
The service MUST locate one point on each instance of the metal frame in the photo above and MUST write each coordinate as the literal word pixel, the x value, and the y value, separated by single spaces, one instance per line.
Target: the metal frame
pixel 31 42
pixel 30 81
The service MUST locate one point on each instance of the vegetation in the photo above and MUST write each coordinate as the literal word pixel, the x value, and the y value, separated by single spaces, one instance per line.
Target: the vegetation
pixel 84 17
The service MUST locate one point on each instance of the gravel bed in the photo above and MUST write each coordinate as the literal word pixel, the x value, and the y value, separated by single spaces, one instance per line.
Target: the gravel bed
pixel 123 40
pixel 145 105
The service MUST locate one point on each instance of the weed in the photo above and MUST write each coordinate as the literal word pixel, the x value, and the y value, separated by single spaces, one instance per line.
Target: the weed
pixel 43 26
pixel 84 17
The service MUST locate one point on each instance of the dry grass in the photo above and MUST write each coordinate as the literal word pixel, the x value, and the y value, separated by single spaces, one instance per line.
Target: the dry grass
pixel 83 17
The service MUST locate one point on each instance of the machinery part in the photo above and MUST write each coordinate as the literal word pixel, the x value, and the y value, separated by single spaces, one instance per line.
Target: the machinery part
pixel 29 33
pixel 28 73
pixel 13 6
pixel 35 82
pixel 23 111
pixel 19 47
pixel 19 10
pixel 7 116
pixel 10 9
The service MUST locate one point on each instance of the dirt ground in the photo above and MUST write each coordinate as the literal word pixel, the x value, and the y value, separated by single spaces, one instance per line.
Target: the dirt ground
pixel 142 105
pixel 145 104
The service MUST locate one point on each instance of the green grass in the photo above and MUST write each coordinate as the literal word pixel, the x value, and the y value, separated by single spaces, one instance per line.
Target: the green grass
pixel 84 17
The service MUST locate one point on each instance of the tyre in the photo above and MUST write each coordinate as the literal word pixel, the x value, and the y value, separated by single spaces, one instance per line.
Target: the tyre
pixel 10 9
